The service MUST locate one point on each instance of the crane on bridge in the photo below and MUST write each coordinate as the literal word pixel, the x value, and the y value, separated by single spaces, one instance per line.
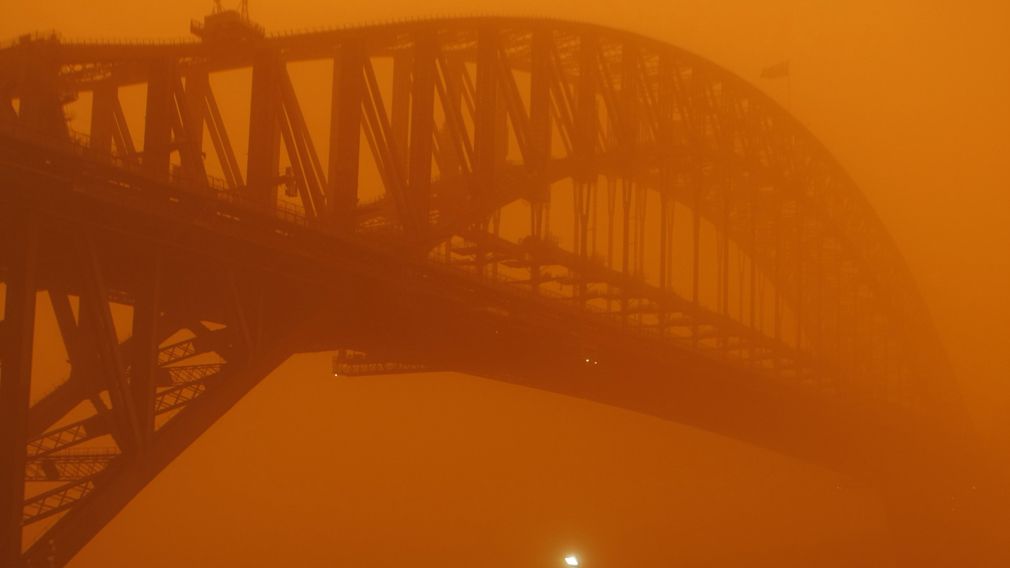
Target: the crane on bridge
pixel 224 25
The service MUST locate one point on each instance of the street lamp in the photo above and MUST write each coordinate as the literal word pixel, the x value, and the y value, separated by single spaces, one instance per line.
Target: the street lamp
pixel 571 560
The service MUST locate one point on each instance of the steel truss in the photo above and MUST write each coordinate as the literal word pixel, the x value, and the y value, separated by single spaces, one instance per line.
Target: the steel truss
pixel 716 251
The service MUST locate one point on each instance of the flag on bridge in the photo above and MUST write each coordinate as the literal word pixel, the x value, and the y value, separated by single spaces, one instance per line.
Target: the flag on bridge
pixel 776 71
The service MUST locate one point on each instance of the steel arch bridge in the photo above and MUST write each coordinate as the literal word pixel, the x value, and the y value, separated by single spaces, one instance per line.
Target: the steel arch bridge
pixel 553 204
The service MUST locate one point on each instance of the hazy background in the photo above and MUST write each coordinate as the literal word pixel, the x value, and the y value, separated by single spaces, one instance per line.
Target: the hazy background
pixel 441 469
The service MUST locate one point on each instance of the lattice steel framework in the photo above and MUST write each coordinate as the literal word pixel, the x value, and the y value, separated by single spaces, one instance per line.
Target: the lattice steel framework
pixel 560 205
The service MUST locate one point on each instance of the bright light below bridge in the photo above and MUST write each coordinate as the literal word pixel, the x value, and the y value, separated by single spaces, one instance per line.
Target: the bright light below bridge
pixel 571 560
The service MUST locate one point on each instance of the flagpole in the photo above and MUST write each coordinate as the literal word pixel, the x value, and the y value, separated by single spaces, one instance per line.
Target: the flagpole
pixel 778 71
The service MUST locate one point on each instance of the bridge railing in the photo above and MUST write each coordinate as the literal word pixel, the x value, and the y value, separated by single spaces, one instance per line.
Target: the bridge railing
pixel 79 144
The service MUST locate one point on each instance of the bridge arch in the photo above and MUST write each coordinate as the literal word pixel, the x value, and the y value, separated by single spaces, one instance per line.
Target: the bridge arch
pixel 481 131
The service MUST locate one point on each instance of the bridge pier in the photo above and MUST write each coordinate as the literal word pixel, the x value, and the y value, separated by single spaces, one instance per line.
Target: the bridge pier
pixel 16 343
pixel 42 96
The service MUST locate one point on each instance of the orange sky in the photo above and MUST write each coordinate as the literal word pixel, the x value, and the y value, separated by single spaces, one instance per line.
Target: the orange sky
pixel 911 96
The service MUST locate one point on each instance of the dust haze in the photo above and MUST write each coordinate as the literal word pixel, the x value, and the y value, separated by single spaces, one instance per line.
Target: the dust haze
pixel 444 469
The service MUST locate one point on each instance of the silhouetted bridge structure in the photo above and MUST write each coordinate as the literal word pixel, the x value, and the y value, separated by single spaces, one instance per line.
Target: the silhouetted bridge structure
pixel 557 205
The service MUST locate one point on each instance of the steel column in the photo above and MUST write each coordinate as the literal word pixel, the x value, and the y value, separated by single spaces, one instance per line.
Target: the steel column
pixel 158 119
pixel 486 109
pixel 264 135
pixel 402 99
pixel 345 135
pixel 15 379
pixel 103 118
pixel 422 130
